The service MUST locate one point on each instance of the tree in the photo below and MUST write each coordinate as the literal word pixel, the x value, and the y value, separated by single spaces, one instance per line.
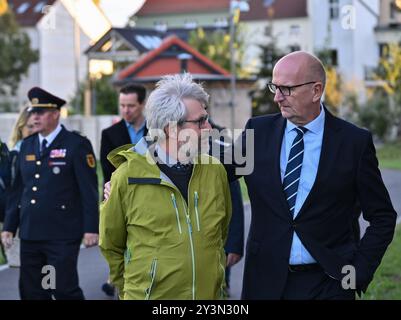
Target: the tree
pixel 16 54
pixel 262 98
pixel 104 94
pixel 389 72
pixel 216 46
pixel 333 95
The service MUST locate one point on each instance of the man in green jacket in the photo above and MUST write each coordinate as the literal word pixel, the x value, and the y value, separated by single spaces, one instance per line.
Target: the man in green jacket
pixel 164 226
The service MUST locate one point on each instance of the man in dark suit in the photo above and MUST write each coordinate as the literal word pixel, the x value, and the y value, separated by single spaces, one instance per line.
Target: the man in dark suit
pixel 54 202
pixel 311 170
pixel 129 130
pixel 234 246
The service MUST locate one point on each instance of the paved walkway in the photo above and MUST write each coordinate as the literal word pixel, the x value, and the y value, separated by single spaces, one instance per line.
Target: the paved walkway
pixel 93 268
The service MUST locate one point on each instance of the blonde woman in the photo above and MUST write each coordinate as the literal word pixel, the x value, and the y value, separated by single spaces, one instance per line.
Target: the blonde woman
pixel 24 127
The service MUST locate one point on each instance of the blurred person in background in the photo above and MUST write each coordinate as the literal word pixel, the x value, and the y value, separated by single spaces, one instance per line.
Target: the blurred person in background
pixel 24 126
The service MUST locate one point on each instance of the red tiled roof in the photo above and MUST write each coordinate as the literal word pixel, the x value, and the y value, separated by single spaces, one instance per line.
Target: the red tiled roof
pixel 153 64
pixel 32 13
pixel 156 7
pixel 282 9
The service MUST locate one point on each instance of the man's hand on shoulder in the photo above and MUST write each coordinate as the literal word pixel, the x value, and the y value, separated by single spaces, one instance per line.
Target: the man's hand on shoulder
pixel 106 190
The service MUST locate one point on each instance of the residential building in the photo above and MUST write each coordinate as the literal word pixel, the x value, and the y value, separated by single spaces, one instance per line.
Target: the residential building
pixel 61 30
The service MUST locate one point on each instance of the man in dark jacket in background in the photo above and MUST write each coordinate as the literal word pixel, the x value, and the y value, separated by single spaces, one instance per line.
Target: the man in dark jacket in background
pixel 129 130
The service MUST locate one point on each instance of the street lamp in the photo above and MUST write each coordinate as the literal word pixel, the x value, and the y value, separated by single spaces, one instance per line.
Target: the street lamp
pixel 235 8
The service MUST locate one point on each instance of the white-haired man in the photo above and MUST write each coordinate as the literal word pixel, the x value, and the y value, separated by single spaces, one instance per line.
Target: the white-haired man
pixel 164 226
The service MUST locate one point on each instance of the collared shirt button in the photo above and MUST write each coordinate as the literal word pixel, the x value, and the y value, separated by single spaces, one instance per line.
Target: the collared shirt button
pixel 63 207
pixel 33 201
pixel 34 188
pixel 37 176
pixel 38 163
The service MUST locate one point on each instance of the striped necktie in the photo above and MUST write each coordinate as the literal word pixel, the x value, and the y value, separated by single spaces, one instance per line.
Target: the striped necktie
pixel 293 169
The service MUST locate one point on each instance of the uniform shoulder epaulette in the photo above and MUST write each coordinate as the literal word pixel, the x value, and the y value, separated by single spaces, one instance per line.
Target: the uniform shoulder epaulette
pixel 30 136
pixel 79 134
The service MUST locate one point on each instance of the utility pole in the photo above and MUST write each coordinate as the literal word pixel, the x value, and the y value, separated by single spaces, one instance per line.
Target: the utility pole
pixel 235 8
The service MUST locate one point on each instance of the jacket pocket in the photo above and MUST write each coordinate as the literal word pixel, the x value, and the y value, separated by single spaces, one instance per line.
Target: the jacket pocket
pixel 152 276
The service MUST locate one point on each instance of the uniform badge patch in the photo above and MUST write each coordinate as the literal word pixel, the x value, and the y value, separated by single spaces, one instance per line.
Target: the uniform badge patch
pixel 90 160
pixel 30 157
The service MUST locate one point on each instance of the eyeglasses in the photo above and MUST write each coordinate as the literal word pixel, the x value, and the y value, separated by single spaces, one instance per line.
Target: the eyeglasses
pixel 285 90
pixel 201 121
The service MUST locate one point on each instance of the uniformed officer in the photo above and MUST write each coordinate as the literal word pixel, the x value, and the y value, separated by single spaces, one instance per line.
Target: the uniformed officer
pixel 54 203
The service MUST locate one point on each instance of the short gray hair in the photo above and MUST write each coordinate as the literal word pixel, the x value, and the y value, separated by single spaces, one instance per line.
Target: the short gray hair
pixel 165 103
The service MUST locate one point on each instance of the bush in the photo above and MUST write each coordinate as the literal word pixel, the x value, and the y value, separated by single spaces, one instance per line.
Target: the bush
pixel 376 115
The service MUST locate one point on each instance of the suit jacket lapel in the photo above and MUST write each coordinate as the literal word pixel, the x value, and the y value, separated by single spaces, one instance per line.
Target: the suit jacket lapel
pixel 278 135
pixel 125 137
pixel 330 147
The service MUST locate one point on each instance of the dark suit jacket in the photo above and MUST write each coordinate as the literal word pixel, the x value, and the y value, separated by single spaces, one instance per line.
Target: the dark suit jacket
pixel 5 175
pixel 113 137
pixel 347 173
pixel 235 238
pixel 55 195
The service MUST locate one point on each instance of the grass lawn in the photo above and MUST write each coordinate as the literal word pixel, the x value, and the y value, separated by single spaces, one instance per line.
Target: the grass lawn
pixel 2 258
pixel 386 284
pixel 389 156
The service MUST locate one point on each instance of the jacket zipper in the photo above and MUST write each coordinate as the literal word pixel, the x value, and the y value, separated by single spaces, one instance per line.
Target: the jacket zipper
pixel 196 210
pixel 192 246
pixel 176 212
pixel 188 220
pixel 152 274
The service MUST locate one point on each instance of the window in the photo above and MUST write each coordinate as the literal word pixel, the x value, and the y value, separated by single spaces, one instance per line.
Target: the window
pixel 190 24
pixel 334 57
pixel 22 8
pixel 334 7
pixel 294 47
pixel 39 6
pixel 295 30
pixel 383 50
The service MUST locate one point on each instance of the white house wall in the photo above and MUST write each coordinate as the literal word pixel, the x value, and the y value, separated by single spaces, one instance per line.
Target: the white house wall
pixel 33 76
pixel 255 35
pixel 356 46
pixel 366 49
pixel 57 59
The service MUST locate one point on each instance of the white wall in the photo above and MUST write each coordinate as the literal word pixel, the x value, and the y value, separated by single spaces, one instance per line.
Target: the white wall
pixel 33 76
pixel 57 60
pixel 254 35
pixel 356 47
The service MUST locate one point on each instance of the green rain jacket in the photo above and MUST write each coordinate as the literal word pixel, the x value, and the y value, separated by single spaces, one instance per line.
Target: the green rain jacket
pixel 156 245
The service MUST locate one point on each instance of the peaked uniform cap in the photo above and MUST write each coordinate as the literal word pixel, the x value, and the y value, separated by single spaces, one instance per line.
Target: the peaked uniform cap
pixel 41 99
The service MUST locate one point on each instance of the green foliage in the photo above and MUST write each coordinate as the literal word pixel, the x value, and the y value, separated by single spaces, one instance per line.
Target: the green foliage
pixel 386 284
pixel 389 72
pixel 376 115
pixel 263 99
pixel 16 54
pixel 389 155
pixel 216 46
pixel 104 96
